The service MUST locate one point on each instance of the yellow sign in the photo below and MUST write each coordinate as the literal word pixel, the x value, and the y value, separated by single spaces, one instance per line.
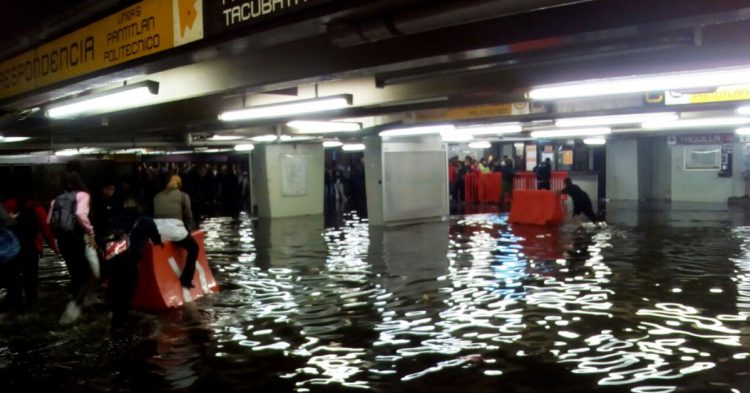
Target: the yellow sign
pixel 474 112
pixel 721 94
pixel 567 157
pixel 137 31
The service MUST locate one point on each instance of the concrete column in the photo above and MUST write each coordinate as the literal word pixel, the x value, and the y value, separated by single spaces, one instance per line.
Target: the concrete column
pixel 622 169
pixel 406 179
pixel 287 179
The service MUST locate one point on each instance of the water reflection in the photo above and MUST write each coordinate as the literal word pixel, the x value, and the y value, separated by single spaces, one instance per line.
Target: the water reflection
pixel 472 303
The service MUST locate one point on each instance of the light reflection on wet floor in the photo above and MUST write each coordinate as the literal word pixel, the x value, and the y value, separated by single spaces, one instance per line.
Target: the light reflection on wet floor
pixel 469 304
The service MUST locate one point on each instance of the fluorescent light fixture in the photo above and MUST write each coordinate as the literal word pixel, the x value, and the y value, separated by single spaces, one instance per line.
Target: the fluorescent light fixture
pixel 353 147
pixel 224 138
pixel 641 84
pixel 75 152
pixel 107 101
pixel 710 122
pixel 456 136
pixel 419 130
pixel 494 129
pixel 211 150
pixel 296 138
pixel 264 138
pixel 635 118
pixel 571 132
pixel 332 144
pixel 136 150
pixel 244 147
pixel 67 152
pixel 744 110
pixel 287 109
pixel 11 139
pixel 480 145
pixel 595 141
pixel 313 127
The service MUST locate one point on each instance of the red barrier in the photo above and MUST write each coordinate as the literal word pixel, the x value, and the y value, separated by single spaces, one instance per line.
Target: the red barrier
pixel 489 187
pixel 536 207
pixel 557 182
pixel 471 187
pixel 527 180
pixel 524 181
pixel 158 277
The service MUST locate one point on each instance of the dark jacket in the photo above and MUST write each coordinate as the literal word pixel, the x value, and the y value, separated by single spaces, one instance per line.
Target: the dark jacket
pixel 579 197
pixel 139 227
pixel 543 172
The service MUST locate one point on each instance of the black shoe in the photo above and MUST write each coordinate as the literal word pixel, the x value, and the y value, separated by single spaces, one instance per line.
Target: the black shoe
pixel 187 284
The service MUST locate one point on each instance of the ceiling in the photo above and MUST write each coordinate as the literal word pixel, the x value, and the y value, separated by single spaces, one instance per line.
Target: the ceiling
pixel 394 57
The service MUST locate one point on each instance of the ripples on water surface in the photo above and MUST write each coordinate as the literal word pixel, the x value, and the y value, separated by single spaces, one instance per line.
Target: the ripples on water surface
pixel 471 304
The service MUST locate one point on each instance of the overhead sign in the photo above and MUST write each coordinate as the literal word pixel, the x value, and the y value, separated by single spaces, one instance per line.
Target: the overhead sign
pixel 475 112
pixel 143 29
pixel 721 94
pixel 228 15
pixel 701 139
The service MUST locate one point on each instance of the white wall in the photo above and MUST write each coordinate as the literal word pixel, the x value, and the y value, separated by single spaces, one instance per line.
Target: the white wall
pixel 411 184
pixel 622 169
pixel 705 186
pixel 374 179
pixel 268 182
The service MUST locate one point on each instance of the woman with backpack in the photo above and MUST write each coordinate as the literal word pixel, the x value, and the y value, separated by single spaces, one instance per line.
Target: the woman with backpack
pixel 69 219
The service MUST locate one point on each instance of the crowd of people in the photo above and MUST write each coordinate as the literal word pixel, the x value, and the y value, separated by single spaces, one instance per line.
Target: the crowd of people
pixel 215 189
pixel 101 233
pixel 345 183
pixel 457 171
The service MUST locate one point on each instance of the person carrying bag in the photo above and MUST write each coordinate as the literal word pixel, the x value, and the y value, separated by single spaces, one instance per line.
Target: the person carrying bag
pixel 9 244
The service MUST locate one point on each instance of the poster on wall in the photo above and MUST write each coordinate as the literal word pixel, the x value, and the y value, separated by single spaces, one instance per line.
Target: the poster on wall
pixel 701 158
pixel 293 176
pixel 567 157
pixel 530 157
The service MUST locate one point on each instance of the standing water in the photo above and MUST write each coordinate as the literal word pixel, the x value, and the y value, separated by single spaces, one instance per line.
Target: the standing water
pixel 472 304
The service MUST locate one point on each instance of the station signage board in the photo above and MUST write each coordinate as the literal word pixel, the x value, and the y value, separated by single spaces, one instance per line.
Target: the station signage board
pixel 476 112
pixel 229 15
pixel 720 94
pixel 143 29
pixel 701 139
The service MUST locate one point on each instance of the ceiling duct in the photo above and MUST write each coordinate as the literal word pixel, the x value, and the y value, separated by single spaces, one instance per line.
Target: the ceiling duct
pixel 352 33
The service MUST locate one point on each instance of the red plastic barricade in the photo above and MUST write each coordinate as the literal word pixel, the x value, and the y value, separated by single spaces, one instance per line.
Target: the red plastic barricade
pixel 524 181
pixel 489 187
pixel 536 207
pixel 471 187
pixel 159 286
pixel 527 180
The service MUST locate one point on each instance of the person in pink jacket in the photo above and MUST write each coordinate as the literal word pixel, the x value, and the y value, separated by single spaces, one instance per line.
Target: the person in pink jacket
pixel 69 219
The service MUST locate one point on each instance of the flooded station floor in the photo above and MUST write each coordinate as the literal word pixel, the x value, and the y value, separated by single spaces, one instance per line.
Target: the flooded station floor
pixel 656 302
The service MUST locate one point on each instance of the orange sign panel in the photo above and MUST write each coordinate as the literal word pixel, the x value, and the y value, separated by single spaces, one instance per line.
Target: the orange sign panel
pixel 137 31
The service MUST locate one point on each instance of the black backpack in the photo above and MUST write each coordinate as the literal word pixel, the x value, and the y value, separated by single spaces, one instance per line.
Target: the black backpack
pixel 64 213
